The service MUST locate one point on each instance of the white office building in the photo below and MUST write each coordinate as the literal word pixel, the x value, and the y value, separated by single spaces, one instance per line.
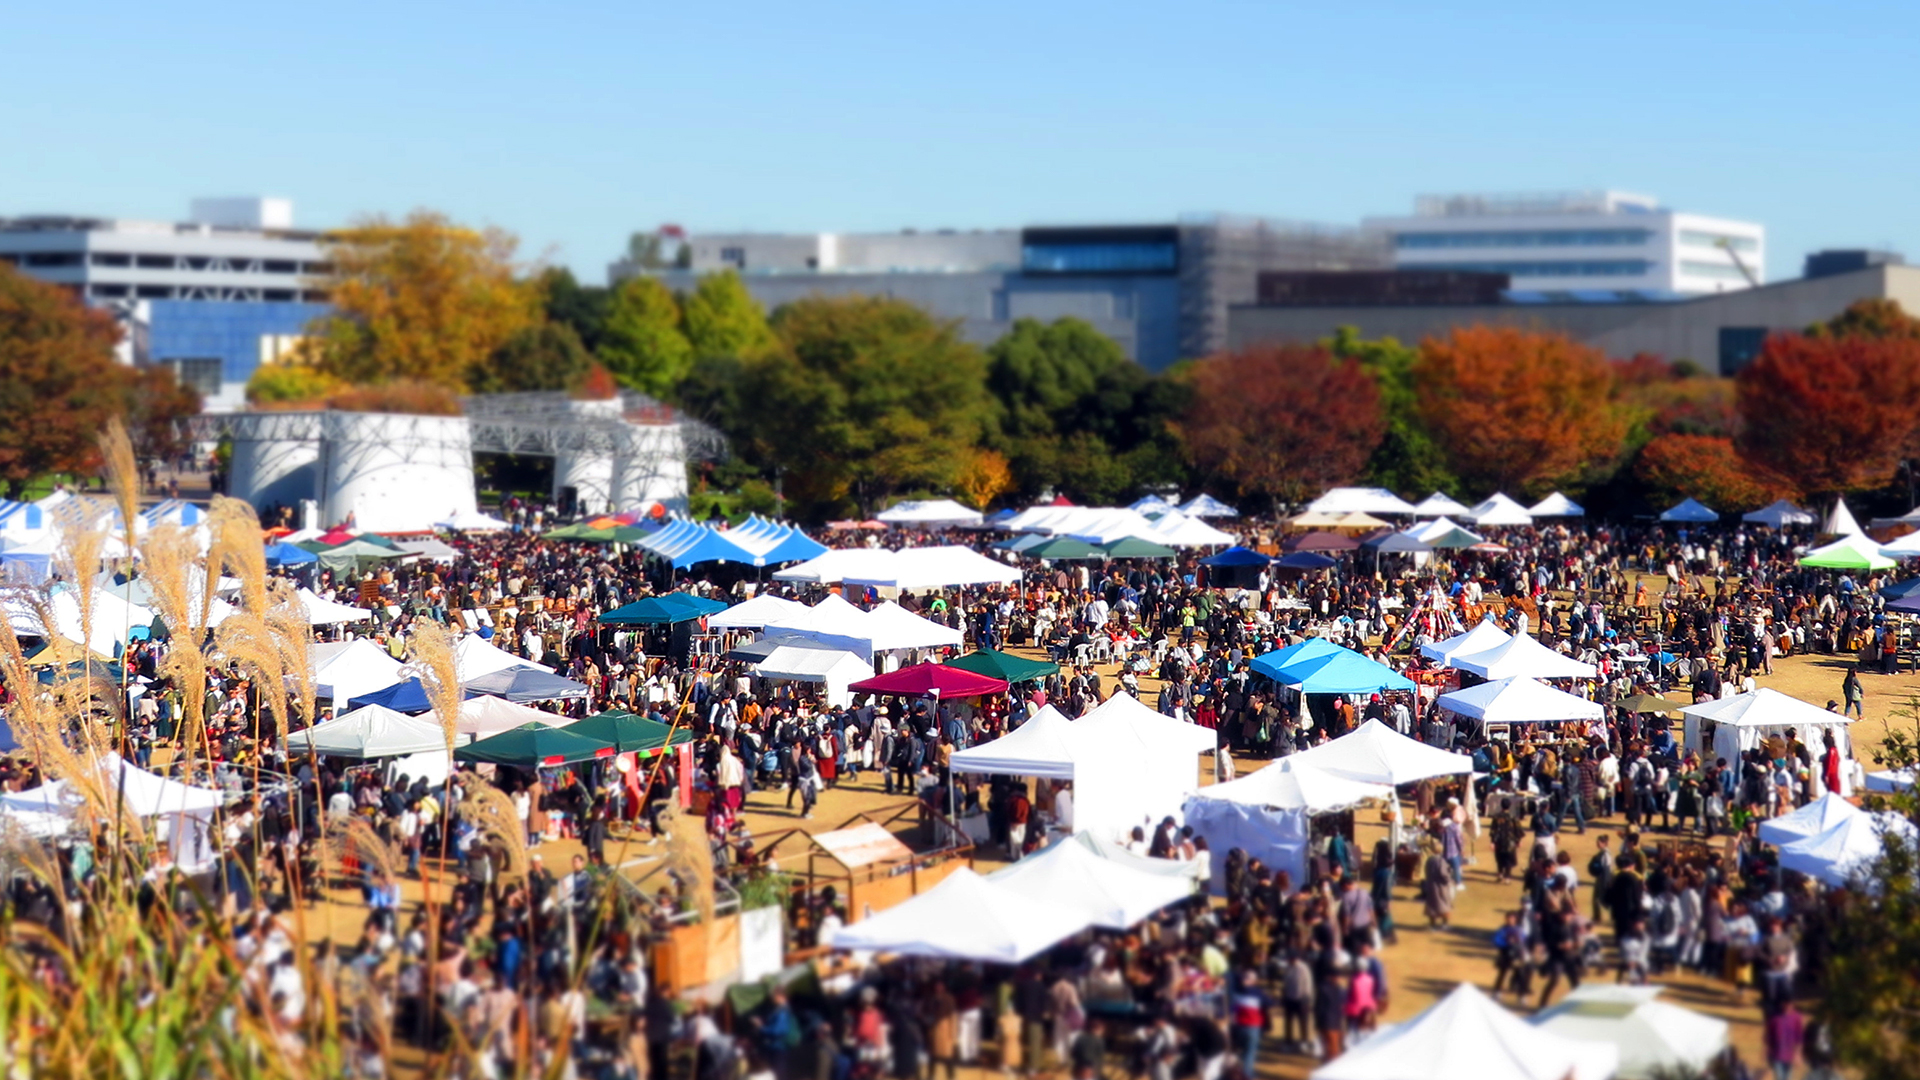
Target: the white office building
pixel 1579 245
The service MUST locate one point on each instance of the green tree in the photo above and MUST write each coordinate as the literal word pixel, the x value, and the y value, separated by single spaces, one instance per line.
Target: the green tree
pixel 863 398
pixel 1875 318
pixel 544 357
pixel 1407 459
pixel 723 319
pixel 59 381
pixel 582 307
pixel 644 342
pixel 1077 415
pixel 291 384
pixel 1869 999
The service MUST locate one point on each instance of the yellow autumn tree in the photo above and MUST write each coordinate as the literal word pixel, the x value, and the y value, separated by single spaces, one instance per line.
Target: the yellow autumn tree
pixel 984 478
pixel 422 300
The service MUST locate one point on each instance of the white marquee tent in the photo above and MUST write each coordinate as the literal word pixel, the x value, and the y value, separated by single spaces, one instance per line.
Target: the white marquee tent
pixel 1557 505
pixel 1485 635
pixel 965 917
pixel 1521 655
pixel 1376 754
pixel 929 512
pixel 1845 850
pixel 1467 1036
pixel 1347 500
pixel 1689 511
pixel 1206 506
pixel 837 669
pixel 113 619
pixel 1440 505
pixel 946 566
pixel 370 731
pixel 1840 521
pixel 1498 509
pixel 1812 819
pixel 1520 700
pixel 475 656
pixel 1438 529
pixel 827 569
pixel 1651 1037
pixel 1105 892
pixel 1286 785
pixel 488 715
pixel 1742 721
pixel 1778 515
pixel 1042 747
pixel 755 613
pixel 185 811
pixel 471 521
pixel 1176 528
pixel 344 670
pixel 323 612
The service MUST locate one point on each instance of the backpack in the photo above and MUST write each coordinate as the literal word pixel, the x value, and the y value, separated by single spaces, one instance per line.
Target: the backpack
pixel 1667 919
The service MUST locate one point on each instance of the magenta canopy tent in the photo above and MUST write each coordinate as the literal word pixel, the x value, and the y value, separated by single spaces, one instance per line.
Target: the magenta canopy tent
pixel 919 680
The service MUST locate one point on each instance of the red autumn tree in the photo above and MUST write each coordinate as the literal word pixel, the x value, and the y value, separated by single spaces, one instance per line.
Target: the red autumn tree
pixel 1832 413
pixel 58 380
pixel 1518 410
pixel 1709 468
pixel 1283 421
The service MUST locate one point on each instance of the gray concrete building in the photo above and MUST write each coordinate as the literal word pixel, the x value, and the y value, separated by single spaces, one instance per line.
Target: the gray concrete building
pixel 1163 292
pixel 1720 331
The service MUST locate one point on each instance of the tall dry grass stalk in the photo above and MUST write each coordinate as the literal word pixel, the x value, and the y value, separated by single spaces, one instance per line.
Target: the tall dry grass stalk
pixel 434 664
pixel 246 637
pixel 354 836
pixel 237 548
pixel 40 725
pixel 123 475
pixel 292 634
pixel 172 565
pixel 690 858
pixel 492 812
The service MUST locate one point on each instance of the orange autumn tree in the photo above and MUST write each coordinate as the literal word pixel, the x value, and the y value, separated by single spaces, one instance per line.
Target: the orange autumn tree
pixel 1708 468
pixel 1286 421
pixel 1832 413
pixel 1520 411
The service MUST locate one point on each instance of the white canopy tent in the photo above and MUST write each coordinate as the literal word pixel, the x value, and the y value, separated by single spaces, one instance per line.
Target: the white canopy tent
pixel 488 715
pixel 370 731
pixel 429 549
pixel 1206 506
pixel 1778 515
pixel 1376 754
pixel 1846 850
pixel 946 566
pixel 833 623
pixel 1812 819
pixel 827 569
pixel 1440 505
pixel 755 613
pixel 343 670
pixel 1179 529
pixel 1346 500
pixel 837 669
pixel 1902 547
pixel 1890 781
pixel 1485 635
pixel 1467 1036
pixel 1040 747
pixel 1498 509
pixel 322 612
pixel 1439 528
pixel 1689 511
pixel 113 619
pixel 475 656
pixel 471 521
pixel 1520 700
pixel 1857 549
pixel 929 512
pixel 1105 892
pixel 1651 1037
pixel 185 811
pixel 1840 521
pixel 1742 721
pixel 1521 655
pixel 965 917
pixel 894 627
pixel 1557 505
pixel 1287 785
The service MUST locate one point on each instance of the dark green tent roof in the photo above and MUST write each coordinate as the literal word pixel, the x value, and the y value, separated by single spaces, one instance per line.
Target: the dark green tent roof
pixel 1064 547
pixel 628 731
pixel 1132 547
pixel 1004 666
pixel 670 608
pixel 532 745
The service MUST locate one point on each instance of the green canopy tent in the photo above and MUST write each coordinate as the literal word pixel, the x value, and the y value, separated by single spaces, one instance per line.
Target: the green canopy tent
pixel 1132 547
pixel 628 732
pixel 1649 703
pixel 532 746
pixel 1000 665
pixel 566 532
pixel 1849 553
pixel 663 610
pixel 1064 547
pixel 355 554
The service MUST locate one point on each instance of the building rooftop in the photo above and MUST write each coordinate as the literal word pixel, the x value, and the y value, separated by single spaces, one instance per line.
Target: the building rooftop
pixel 1534 204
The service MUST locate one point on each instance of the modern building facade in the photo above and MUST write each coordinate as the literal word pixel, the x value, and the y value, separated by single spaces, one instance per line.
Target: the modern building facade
pixel 210 296
pixel 1579 244
pixel 1720 331
pixel 1161 291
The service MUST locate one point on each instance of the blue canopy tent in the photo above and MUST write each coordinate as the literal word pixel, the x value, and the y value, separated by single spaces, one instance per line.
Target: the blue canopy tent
pixel 683 544
pixel 1236 556
pixel 1318 666
pixel 289 555
pixel 406 696
pixel 1305 560
pixel 1271 664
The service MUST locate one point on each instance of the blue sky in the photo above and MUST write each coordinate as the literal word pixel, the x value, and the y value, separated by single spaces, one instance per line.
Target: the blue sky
pixel 575 123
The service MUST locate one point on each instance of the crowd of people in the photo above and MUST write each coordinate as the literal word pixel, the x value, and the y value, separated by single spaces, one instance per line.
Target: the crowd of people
pixel 517 964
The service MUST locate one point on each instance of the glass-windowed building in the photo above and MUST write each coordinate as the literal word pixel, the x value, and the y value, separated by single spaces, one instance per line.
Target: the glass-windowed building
pixel 1579 245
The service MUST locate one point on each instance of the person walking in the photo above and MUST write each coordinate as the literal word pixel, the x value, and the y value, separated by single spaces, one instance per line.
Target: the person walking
pixel 1855 695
